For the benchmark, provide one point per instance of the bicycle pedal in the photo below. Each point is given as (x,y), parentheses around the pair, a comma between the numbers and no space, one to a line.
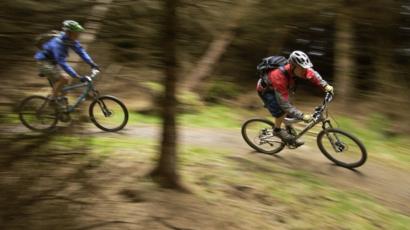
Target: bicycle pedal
(62,109)
(298,145)
(295,144)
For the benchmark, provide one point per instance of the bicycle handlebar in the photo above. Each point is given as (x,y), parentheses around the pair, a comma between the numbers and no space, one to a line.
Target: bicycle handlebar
(328,97)
(94,73)
(319,110)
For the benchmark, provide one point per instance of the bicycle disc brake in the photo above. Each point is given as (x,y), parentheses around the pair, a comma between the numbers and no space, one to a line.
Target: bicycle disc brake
(340,147)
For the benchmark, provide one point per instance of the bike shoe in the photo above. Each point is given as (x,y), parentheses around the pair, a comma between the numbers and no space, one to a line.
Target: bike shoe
(298,143)
(284,135)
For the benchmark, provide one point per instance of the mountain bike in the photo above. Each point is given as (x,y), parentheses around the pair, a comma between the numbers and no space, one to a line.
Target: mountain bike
(40,113)
(337,145)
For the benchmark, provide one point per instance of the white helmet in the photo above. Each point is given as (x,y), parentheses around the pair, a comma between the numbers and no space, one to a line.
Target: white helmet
(301,59)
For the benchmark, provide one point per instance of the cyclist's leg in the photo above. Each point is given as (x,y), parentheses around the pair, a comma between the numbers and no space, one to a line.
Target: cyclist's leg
(63,80)
(52,72)
(274,108)
(271,103)
(279,121)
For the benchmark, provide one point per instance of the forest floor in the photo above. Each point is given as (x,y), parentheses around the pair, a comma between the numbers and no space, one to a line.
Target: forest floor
(95,180)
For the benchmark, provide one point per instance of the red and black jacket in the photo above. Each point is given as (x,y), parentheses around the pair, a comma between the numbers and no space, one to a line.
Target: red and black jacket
(281,80)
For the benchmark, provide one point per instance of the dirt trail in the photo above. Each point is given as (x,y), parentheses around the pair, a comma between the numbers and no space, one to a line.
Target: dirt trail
(108,192)
(389,185)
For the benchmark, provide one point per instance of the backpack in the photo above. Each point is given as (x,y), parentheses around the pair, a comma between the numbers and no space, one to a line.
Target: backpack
(45,37)
(268,64)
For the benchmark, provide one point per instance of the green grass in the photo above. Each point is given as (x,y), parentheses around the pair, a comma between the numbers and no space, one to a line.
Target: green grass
(102,145)
(138,118)
(221,89)
(258,190)
(154,86)
(9,118)
(306,202)
(215,116)
(379,145)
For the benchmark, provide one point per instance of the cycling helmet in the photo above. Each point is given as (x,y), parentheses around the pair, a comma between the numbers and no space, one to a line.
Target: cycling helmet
(70,25)
(301,59)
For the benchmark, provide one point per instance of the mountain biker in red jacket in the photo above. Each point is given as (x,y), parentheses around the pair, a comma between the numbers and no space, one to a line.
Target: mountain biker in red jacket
(276,94)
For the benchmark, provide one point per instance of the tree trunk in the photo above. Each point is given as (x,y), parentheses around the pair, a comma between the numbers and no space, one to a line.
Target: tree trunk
(165,173)
(390,96)
(344,61)
(217,48)
(205,65)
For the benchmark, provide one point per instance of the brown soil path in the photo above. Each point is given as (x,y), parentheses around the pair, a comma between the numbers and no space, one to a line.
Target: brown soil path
(388,184)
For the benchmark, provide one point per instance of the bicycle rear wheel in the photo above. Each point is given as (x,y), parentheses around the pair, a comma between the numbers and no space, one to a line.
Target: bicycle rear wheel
(342,148)
(108,113)
(258,134)
(36,113)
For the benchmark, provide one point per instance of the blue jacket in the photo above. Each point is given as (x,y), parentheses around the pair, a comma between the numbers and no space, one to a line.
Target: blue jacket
(56,50)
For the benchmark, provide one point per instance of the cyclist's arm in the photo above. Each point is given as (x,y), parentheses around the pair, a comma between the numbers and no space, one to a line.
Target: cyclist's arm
(282,96)
(314,77)
(83,54)
(60,58)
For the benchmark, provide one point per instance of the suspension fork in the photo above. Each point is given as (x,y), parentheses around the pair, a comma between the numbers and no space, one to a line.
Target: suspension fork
(102,105)
(326,122)
(325,125)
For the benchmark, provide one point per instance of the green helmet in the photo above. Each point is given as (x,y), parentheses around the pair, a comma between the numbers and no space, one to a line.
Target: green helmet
(70,25)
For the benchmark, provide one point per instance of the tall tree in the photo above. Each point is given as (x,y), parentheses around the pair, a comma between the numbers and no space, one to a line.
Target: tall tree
(344,54)
(165,173)
(218,46)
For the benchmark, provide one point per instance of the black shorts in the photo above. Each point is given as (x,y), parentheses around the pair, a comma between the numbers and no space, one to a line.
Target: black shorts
(271,103)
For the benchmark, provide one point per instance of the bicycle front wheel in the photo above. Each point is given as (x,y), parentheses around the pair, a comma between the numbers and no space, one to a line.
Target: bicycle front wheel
(108,113)
(342,148)
(36,113)
(258,133)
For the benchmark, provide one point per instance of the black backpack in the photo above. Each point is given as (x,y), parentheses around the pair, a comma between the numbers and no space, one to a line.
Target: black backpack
(268,64)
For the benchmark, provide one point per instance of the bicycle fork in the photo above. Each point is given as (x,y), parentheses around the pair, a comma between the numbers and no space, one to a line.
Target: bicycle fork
(337,145)
(104,108)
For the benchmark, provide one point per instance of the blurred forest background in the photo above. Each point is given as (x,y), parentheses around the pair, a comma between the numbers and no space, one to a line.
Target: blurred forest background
(362,48)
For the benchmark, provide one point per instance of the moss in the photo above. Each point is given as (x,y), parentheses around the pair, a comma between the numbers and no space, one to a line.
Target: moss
(222,90)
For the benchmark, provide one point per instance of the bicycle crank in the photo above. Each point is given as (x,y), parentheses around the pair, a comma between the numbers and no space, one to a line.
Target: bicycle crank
(64,117)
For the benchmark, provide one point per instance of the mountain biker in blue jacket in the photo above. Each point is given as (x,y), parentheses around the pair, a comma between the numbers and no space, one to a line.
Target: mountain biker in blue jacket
(52,57)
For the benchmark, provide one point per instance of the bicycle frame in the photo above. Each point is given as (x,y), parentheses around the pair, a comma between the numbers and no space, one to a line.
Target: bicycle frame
(318,118)
(89,86)
(310,125)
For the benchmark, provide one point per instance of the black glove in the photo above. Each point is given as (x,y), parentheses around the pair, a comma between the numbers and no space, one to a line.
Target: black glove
(83,79)
(95,66)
